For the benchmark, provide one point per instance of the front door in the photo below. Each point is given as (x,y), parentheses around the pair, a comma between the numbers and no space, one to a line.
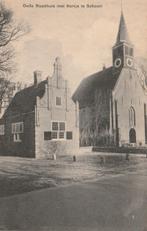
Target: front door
(132,135)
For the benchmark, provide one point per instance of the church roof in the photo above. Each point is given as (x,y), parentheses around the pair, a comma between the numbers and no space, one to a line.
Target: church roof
(25,100)
(122,35)
(106,78)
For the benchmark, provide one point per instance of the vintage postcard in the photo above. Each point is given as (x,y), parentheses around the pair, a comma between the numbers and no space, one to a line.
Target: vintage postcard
(73,115)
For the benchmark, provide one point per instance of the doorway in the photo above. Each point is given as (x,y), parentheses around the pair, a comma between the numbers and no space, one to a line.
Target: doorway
(132,135)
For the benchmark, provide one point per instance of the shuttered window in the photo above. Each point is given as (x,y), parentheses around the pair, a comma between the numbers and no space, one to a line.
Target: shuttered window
(69,135)
(47,136)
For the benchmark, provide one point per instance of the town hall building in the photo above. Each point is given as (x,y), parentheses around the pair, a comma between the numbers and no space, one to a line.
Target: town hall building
(113,102)
(41,119)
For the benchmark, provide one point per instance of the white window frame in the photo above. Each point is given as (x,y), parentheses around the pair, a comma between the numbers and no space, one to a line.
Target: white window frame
(16,137)
(17,129)
(2,129)
(58,131)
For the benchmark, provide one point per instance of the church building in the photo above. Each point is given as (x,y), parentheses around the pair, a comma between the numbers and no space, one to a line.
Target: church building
(113,102)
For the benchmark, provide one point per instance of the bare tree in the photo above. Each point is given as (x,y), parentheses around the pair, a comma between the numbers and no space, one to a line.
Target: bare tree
(10,31)
(4,86)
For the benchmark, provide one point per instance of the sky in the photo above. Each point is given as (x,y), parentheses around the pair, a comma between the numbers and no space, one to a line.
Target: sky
(81,37)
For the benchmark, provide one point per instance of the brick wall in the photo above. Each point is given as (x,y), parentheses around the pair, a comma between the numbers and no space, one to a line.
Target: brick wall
(25,148)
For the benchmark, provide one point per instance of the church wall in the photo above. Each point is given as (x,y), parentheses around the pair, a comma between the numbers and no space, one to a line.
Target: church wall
(129,93)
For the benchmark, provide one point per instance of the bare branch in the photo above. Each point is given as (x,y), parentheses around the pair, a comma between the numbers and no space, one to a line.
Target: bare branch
(10,30)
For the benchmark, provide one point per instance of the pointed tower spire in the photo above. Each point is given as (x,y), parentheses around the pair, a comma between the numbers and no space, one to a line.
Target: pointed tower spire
(122,35)
(121,5)
(123,50)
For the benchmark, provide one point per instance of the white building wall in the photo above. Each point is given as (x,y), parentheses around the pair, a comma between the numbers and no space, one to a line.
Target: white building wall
(47,111)
(129,92)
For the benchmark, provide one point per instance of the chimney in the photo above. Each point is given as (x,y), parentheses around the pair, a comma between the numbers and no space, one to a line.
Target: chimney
(37,77)
(57,75)
(58,68)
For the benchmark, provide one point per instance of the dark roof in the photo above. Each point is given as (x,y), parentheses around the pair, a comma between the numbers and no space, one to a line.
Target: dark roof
(104,79)
(25,100)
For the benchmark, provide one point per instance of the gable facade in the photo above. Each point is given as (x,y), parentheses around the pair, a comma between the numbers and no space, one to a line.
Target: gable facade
(57,122)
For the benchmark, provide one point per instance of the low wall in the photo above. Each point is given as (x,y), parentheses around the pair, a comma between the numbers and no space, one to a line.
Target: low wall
(120,150)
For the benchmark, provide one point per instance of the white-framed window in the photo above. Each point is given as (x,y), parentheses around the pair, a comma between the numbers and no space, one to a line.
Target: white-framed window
(17,127)
(58,101)
(55,126)
(58,130)
(62,126)
(16,137)
(2,129)
(17,130)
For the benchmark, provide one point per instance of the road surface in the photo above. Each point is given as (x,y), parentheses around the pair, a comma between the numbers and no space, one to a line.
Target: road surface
(114,203)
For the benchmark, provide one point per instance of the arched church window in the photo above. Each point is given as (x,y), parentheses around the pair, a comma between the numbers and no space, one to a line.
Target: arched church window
(132,117)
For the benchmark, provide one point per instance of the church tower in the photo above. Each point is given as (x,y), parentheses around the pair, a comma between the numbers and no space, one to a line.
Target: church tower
(123,50)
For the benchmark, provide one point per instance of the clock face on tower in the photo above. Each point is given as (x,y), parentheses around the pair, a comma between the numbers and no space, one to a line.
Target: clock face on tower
(117,63)
(129,62)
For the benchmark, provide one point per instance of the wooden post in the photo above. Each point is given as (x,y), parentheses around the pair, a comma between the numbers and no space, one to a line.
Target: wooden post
(54,157)
(74,158)
(127,156)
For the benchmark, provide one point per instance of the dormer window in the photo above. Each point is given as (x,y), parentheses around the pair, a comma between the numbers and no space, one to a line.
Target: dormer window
(58,101)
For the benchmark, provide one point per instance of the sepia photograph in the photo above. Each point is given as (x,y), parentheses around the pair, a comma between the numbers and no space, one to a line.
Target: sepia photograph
(73,115)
